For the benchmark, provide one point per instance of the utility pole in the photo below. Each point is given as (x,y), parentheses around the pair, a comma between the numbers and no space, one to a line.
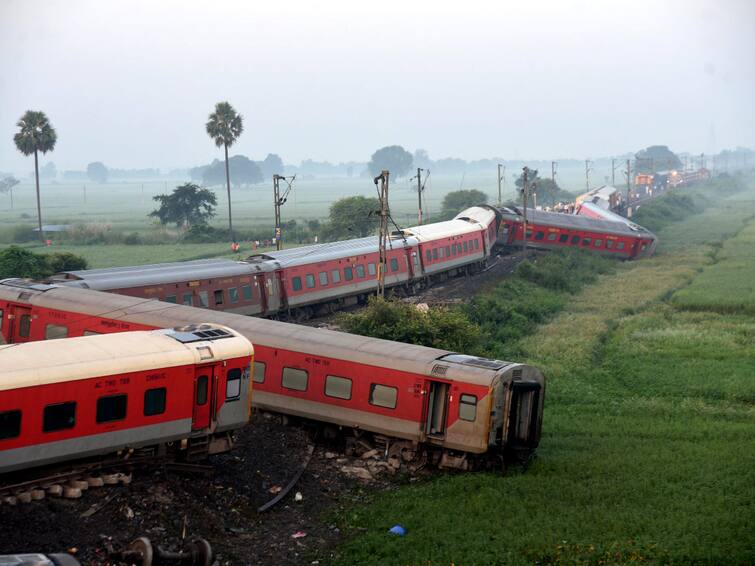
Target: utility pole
(501,177)
(613,172)
(420,190)
(525,191)
(587,174)
(381,182)
(278,201)
(85,194)
(702,161)
(629,184)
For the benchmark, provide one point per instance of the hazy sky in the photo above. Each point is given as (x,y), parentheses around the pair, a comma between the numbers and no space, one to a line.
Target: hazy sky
(130,83)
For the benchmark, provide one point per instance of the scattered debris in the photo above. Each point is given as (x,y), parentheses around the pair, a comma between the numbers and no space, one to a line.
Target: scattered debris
(299,534)
(397,530)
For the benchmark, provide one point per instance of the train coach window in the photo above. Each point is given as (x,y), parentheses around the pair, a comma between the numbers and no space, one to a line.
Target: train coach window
(552,237)
(609,244)
(429,255)
(360,270)
(24,326)
(233,384)
(111,408)
(296,282)
(335,275)
(467,407)
(435,253)
(246,292)
(465,247)
(371,268)
(394,265)
(54,331)
(476,244)
(540,235)
(383,396)
(448,251)
(91,333)
(295,379)
(154,401)
(348,273)
(10,424)
(575,239)
(598,243)
(188,299)
(309,280)
(586,241)
(259,372)
(1,319)
(323,278)
(454,250)
(643,247)
(59,416)
(563,238)
(218,296)
(338,387)
(170,299)
(203,300)
(620,246)
(233,294)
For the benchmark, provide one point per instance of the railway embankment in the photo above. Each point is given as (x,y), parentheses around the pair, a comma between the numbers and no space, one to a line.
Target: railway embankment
(646,454)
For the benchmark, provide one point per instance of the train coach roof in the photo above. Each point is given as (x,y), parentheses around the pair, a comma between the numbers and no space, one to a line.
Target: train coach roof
(611,216)
(318,342)
(54,361)
(576,222)
(153,274)
(439,230)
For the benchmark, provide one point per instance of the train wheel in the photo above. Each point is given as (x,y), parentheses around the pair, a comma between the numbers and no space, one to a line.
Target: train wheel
(202,554)
(142,547)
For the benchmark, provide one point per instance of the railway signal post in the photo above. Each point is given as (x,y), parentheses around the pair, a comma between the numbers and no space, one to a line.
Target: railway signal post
(381,181)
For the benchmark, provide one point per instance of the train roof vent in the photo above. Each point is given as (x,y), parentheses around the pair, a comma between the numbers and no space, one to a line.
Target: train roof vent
(198,333)
(439,370)
(26,284)
(474,361)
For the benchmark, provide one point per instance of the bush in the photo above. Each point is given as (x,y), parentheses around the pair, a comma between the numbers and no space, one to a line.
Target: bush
(442,328)
(19,262)
(24,233)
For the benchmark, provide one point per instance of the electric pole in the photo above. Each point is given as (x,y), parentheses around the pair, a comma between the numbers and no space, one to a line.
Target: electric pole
(501,177)
(613,172)
(278,201)
(629,173)
(587,175)
(525,191)
(420,189)
(553,174)
(381,182)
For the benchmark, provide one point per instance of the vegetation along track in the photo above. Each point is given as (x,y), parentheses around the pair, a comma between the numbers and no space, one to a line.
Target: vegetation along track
(647,452)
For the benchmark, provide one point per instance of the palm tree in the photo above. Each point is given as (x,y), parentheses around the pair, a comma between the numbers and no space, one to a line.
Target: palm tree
(224,127)
(35,134)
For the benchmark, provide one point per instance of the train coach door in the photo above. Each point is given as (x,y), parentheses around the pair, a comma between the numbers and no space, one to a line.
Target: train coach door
(19,324)
(205,380)
(436,409)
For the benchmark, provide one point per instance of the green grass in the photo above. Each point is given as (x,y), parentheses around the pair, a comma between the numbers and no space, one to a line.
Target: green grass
(728,285)
(647,452)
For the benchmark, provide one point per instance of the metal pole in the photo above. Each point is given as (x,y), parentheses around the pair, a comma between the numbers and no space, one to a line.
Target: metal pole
(629,210)
(277,206)
(499,185)
(525,190)
(419,194)
(85,194)
(383,239)
(587,174)
(613,172)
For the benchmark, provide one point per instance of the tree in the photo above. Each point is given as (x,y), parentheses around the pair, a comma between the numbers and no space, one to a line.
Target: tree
(243,170)
(394,158)
(189,204)
(456,201)
(352,217)
(19,262)
(656,158)
(422,159)
(224,126)
(49,171)
(35,134)
(271,165)
(97,172)
(7,183)
(548,192)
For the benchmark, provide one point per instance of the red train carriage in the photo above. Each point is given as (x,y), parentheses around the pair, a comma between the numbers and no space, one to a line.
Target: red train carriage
(81,397)
(551,230)
(297,282)
(459,408)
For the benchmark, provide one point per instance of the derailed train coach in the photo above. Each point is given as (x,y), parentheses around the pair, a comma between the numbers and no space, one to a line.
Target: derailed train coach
(417,403)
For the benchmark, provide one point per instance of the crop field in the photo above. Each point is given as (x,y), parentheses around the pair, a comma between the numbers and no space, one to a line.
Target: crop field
(647,454)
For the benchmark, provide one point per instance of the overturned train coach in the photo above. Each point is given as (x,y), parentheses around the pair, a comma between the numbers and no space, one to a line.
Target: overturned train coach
(459,411)
(610,237)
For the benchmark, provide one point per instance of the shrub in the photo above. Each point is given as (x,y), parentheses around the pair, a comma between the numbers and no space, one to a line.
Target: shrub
(19,262)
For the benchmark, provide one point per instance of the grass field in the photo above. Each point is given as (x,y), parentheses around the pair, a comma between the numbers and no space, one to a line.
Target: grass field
(648,451)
